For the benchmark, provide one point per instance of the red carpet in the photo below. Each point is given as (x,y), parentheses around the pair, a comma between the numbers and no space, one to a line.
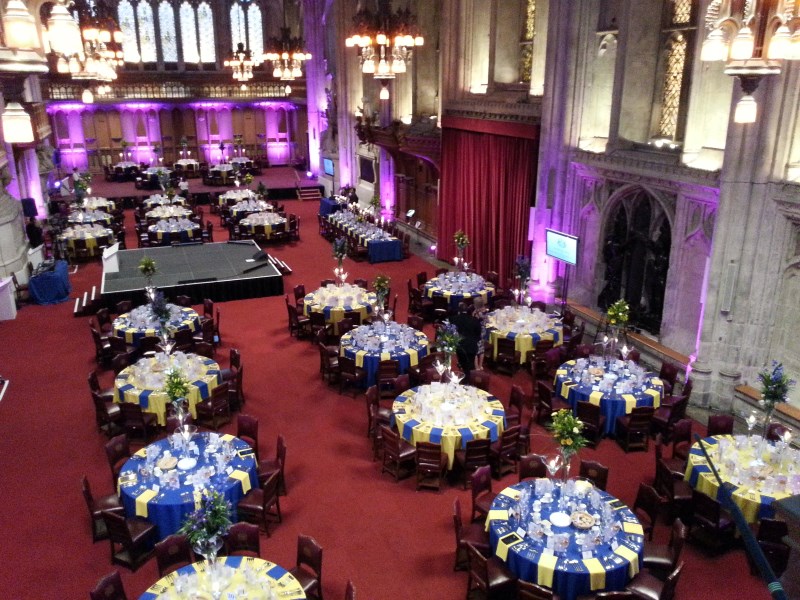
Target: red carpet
(391,541)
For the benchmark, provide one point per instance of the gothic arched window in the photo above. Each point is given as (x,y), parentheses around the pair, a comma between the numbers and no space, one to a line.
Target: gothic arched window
(147,33)
(246,27)
(188,18)
(166,25)
(127,24)
(205,27)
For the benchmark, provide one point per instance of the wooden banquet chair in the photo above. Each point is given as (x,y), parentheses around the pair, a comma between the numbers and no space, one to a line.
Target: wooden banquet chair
(107,415)
(482,495)
(96,506)
(473,456)
(117,452)
(136,422)
(109,588)
(720,425)
(647,508)
(647,585)
(633,430)
(490,576)
(595,473)
(503,453)
(594,422)
(216,409)
(247,431)
(134,537)
(261,506)
(242,539)
(172,553)
(470,533)
(663,559)
(431,465)
(397,454)
(308,567)
(275,464)
(532,466)
(531,591)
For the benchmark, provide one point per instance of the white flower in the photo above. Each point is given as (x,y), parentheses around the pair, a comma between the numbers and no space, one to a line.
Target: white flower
(576,430)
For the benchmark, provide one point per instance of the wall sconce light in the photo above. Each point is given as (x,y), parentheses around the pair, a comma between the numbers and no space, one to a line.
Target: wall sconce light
(19,27)
(17,126)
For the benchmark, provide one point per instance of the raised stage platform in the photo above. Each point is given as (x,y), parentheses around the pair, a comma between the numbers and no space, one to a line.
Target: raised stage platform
(216,271)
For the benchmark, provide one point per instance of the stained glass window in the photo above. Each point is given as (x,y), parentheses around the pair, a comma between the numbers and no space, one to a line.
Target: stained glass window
(681,11)
(254,36)
(189,33)
(147,32)
(205,25)
(526,50)
(127,24)
(673,85)
(166,23)
(238,25)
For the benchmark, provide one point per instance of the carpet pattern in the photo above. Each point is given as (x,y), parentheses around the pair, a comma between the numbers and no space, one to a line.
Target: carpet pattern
(392,541)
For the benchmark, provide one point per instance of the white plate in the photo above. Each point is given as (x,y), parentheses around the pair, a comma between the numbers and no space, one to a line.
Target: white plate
(185,464)
(559,519)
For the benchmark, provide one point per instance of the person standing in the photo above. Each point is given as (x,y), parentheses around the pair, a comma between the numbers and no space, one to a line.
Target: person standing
(34,232)
(470,329)
(480,311)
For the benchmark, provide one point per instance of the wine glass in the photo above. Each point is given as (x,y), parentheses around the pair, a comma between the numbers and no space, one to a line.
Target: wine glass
(751,421)
(554,464)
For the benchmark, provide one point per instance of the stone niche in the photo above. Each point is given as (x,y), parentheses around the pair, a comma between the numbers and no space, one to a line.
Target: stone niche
(13,245)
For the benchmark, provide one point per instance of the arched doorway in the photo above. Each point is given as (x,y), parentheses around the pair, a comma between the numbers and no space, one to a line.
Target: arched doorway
(636,256)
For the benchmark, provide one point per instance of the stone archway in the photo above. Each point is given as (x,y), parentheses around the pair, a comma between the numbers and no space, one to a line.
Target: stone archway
(635,255)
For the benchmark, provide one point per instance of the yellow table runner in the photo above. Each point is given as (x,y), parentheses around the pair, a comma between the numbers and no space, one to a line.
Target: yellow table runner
(631,557)
(142,500)
(547,566)
(243,478)
(597,573)
(634,528)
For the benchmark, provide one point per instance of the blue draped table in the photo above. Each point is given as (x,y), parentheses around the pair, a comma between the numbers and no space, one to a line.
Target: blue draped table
(611,403)
(168,509)
(51,287)
(568,575)
(384,250)
(328,206)
(369,360)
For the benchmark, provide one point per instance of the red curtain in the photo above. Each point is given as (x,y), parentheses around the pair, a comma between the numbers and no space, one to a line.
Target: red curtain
(487,186)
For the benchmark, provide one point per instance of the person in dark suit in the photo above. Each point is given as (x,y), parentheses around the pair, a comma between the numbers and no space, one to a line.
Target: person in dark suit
(469,326)
(35,233)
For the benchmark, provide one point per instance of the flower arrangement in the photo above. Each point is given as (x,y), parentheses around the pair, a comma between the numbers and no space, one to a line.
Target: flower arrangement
(148,268)
(775,386)
(158,305)
(170,192)
(211,520)
(461,239)
(175,385)
(124,144)
(522,267)
(375,202)
(567,429)
(381,286)
(340,249)
(618,313)
(248,179)
(184,142)
(82,184)
(447,337)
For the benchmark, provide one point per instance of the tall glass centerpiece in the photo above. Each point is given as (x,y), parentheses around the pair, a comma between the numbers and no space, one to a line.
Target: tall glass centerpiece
(775,384)
(205,526)
(381,285)
(339,253)
(461,241)
(617,315)
(566,429)
(148,268)
(448,339)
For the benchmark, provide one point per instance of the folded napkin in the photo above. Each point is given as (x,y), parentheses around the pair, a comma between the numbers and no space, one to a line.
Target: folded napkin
(243,478)
(142,500)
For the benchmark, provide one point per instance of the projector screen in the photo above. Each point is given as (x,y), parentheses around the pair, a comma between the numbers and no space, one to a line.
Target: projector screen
(327,166)
(562,246)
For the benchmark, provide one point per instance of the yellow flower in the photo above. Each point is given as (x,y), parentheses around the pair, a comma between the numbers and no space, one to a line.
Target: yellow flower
(568,442)
(612,321)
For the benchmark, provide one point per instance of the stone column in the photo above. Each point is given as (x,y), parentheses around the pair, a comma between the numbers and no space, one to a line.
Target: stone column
(314,38)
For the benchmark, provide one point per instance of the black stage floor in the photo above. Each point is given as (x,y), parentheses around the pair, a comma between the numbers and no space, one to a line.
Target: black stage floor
(215,271)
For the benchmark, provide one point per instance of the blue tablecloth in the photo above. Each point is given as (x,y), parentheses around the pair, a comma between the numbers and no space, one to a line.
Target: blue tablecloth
(571,576)
(328,206)
(385,250)
(370,360)
(612,404)
(169,509)
(51,287)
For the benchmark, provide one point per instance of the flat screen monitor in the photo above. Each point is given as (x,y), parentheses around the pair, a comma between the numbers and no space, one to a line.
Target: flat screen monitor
(327,166)
(562,246)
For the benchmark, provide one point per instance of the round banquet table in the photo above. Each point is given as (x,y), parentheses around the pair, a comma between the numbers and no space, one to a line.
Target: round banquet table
(97,203)
(159,200)
(142,382)
(167,506)
(126,164)
(261,223)
(251,578)
(471,414)
(89,216)
(222,167)
(571,386)
(233,196)
(185,162)
(166,231)
(167,212)
(612,564)
(523,325)
(368,345)
(332,301)
(156,171)
(458,286)
(141,322)
(756,472)
(92,234)
(246,207)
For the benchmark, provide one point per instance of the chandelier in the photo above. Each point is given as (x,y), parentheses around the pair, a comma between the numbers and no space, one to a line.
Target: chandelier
(753,40)
(385,40)
(242,63)
(286,54)
(87,45)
